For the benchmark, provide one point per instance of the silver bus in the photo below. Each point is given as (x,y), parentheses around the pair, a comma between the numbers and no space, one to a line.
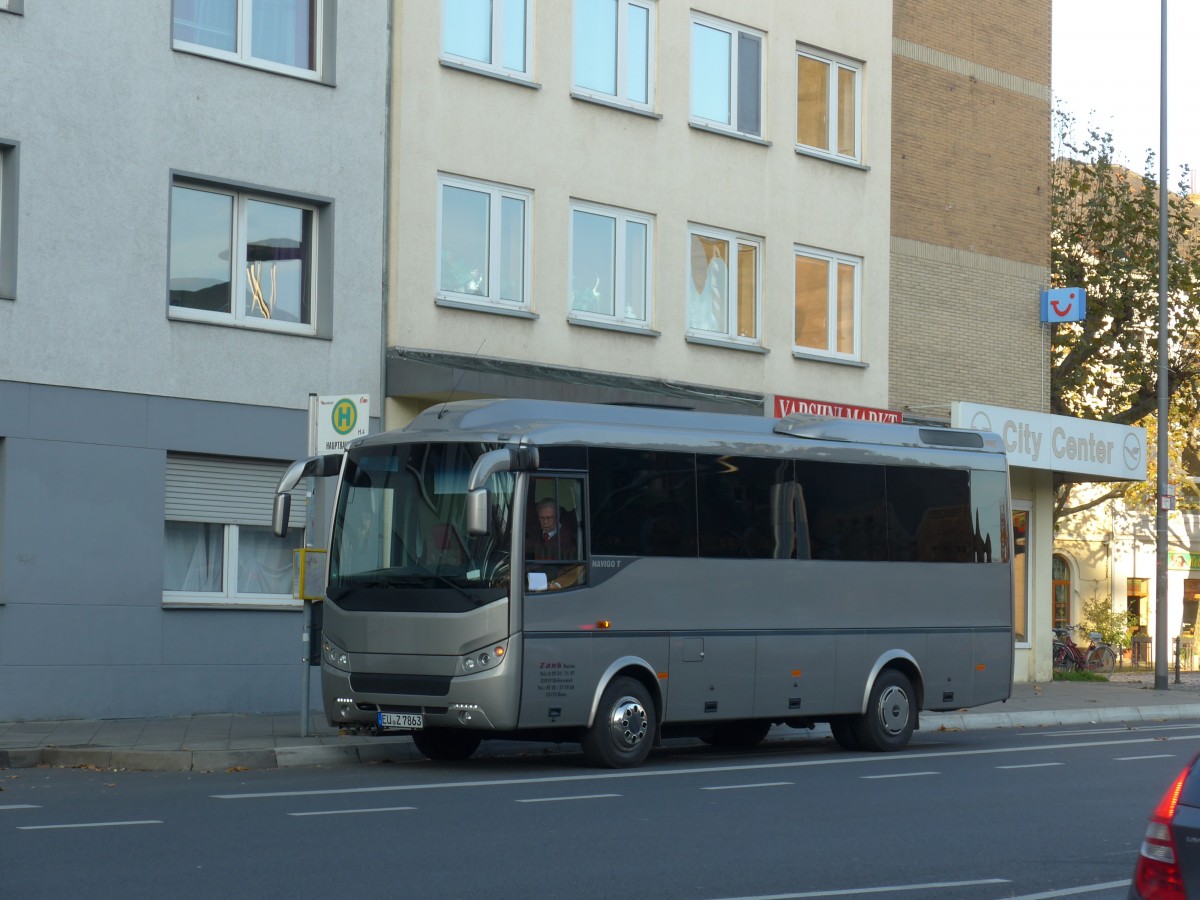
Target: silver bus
(616,575)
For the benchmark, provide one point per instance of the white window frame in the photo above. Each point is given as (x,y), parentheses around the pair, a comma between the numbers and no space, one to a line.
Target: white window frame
(734,31)
(229,596)
(496,67)
(496,194)
(9,168)
(238,317)
(242,55)
(621,53)
(835,64)
(729,335)
(831,299)
(621,218)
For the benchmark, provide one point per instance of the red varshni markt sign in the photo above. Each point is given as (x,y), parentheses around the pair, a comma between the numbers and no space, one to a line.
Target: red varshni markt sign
(786,406)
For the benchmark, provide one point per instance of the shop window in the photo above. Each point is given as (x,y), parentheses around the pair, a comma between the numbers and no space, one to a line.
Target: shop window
(1020,556)
(1060,585)
(1137,603)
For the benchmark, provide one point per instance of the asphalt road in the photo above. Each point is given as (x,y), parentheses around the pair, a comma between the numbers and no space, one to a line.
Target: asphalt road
(1008,813)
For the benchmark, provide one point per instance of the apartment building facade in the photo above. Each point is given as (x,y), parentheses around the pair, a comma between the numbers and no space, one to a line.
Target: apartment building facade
(639,202)
(191,241)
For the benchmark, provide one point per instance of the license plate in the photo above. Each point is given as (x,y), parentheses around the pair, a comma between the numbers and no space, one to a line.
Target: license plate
(409,721)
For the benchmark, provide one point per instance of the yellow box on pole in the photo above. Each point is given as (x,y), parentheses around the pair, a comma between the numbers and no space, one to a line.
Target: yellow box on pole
(308,573)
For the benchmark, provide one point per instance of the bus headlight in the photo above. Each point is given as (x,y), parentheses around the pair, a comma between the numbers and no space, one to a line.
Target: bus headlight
(335,655)
(487,658)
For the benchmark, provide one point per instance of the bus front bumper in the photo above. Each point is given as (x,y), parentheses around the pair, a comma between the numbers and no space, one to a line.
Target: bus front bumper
(486,701)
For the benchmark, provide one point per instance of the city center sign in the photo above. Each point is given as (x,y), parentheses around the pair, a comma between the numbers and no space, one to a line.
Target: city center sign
(1101,451)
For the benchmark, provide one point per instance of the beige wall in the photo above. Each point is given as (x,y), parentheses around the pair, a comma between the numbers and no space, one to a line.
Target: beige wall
(461,123)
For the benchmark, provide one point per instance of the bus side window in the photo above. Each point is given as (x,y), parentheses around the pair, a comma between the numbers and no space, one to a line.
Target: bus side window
(554,535)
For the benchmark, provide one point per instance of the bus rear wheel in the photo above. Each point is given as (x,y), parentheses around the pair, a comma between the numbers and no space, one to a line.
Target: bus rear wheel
(843,732)
(891,713)
(623,731)
(446,744)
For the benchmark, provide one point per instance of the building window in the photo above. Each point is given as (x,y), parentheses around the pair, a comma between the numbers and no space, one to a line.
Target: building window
(727,76)
(828,100)
(828,302)
(242,258)
(484,233)
(1060,587)
(8,220)
(493,36)
(280,35)
(610,265)
(218,546)
(724,285)
(613,43)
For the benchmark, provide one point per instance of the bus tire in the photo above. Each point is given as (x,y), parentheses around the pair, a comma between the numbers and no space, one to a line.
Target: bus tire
(623,731)
(447,744)
(843,732)
(741,735)
(891,713)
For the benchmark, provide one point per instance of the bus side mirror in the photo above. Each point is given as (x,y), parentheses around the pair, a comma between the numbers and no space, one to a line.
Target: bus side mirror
(505,459)
(477,512)
(280,513)
(319,466)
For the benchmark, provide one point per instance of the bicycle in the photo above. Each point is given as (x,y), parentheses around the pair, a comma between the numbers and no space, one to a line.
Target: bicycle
(1068,656)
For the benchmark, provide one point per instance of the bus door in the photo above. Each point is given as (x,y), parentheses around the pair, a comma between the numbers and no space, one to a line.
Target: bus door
(559,668)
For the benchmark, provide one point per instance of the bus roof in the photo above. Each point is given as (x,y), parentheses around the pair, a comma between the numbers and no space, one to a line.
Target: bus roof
(545,422)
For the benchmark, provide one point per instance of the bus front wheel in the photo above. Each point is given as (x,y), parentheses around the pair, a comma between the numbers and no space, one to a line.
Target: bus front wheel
(446,744)
(891,713)
(623,731)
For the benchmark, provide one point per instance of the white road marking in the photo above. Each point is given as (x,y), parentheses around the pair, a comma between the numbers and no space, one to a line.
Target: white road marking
(89,825)
(1075,891)
(738,787)
(350,812)
(20,806)
(861,759)
(1117,729)
(556,799)
(889,889)
(1152,756)
(1032,765)
(902,775)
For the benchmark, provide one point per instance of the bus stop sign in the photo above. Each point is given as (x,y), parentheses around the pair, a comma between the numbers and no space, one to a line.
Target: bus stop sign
(339,418)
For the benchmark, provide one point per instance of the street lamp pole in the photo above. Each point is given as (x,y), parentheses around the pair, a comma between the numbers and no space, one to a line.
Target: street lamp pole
(1160,618)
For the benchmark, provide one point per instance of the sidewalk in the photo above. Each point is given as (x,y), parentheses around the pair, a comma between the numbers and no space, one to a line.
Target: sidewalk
(216,742)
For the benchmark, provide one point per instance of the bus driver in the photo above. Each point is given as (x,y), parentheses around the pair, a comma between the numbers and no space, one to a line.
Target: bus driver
(557,540)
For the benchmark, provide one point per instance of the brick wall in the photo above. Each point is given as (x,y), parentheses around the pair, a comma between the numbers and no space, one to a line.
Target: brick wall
(970,204)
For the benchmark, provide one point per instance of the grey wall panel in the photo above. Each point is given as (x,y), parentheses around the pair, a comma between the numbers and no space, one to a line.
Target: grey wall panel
(34,693)
(14,409)
(53,636)
(83,524)
(227,429)
(233,637)
(99,417)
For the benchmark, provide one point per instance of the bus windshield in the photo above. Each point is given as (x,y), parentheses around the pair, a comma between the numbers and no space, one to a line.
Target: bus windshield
(400,523)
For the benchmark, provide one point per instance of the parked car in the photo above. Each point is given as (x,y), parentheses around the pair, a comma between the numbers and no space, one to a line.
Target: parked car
(1168,867)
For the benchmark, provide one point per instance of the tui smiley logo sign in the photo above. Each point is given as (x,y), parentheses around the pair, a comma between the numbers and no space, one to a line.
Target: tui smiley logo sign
(1064,305)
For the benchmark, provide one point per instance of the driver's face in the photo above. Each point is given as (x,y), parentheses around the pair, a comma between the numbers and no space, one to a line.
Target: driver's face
(547,518)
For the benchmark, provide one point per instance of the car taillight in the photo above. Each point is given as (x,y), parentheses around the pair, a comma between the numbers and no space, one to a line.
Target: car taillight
(1157,876)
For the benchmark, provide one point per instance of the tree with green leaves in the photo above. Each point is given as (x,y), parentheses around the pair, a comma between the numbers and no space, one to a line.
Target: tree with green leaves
(1105,239)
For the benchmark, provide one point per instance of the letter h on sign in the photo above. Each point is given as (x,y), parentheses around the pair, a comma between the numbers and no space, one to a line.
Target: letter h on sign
(1067,304)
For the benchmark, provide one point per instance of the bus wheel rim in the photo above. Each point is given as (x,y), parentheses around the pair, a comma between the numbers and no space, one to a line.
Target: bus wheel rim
(628,723)
(893,710)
